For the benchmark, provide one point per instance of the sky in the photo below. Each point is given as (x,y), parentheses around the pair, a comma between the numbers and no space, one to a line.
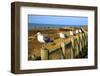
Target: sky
(57,20)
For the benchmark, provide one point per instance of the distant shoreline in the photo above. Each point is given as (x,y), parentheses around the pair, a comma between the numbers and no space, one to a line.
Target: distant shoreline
(50,26)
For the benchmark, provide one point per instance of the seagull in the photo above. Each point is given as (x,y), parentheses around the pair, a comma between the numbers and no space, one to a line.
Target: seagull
(80,31)
(71,33)
(43,39)
(62,35)
(76,32)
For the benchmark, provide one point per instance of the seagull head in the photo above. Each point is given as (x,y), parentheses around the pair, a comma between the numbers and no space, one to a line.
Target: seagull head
(80,31)
(60,33)
(71,32)
(76,31)
(39,33)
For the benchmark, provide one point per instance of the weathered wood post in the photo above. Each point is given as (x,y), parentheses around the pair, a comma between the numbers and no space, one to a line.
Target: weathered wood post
(77,45)
(63,48)
(72,48)
(44,54)
(80,42)
(86,39)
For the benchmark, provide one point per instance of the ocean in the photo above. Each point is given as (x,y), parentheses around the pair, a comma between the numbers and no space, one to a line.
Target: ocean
(50,26)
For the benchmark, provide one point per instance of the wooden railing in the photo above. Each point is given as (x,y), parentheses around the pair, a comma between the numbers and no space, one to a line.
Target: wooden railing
(67,49)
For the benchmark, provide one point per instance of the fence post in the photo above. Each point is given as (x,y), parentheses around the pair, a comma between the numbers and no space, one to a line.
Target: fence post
(80,42)
(86,39)
(72,47)
(63,49)
(77,46)
(44,54)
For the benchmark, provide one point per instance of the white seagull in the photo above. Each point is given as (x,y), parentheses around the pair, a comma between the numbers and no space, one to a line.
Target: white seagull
(71,33)
(62,35)
(76,32)
(80,31)
(43,39)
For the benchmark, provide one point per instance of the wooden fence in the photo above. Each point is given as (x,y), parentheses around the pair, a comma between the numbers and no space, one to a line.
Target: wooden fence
(67,50)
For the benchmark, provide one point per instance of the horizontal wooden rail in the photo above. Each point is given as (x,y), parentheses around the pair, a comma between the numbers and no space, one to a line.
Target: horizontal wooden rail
(75,43)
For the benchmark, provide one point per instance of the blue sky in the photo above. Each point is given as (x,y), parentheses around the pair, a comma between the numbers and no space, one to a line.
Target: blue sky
(57,20)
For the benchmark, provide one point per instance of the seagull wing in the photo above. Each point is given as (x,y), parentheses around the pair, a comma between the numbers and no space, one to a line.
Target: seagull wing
(45,38)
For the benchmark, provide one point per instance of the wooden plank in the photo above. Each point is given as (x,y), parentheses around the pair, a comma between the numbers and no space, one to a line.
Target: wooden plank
(44,54)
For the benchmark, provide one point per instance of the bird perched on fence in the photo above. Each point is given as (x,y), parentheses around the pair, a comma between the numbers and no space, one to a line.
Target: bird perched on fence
(62,35)
(79,31)
(71,33)
(76,32)
(42,38)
